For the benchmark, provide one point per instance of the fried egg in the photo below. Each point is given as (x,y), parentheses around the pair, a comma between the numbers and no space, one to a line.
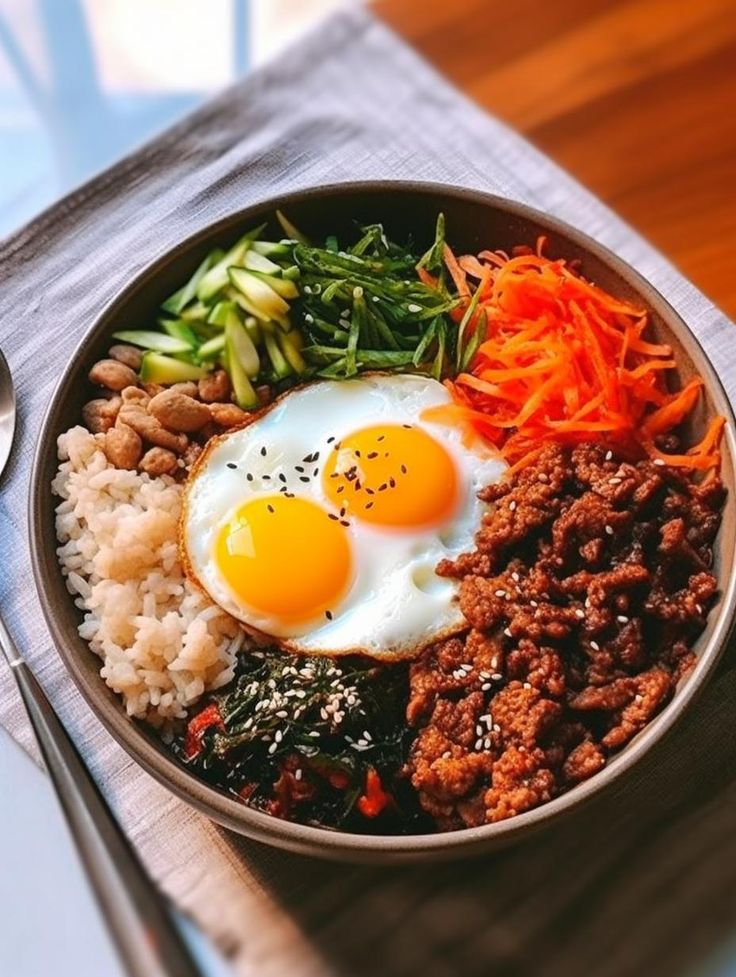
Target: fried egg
(320,524)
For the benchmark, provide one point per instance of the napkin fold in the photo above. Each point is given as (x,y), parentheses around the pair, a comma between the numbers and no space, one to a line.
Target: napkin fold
(640,882)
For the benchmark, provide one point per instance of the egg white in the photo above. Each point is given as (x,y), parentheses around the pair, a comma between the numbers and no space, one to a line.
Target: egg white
(396,604)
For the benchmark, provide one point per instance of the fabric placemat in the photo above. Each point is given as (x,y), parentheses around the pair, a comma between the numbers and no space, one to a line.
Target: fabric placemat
(641,883)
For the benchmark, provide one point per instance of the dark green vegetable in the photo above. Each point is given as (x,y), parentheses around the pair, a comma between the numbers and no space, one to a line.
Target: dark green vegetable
(331,720)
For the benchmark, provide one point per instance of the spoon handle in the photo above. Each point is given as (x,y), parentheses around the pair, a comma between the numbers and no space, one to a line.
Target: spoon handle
(139,919)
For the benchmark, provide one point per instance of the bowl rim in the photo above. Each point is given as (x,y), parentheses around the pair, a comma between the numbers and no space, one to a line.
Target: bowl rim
(316,840)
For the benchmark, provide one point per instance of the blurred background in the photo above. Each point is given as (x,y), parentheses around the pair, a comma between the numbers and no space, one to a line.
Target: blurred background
(637,98)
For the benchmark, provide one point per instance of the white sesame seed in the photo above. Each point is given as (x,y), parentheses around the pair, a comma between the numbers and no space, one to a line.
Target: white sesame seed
(609,530)
(414,307)
(622,619)
(300,694)
(351,700)
(309,317)
(485,687)
(580,613)
(515,577)
(466,667)
(595,646)
(278,736)
(507,632)
(298,774)
(614,481)
(479,730)
(282,714)
(699,608)
(313,733)
(587,601)
(479,744)
(522,749)
(496,728)
(512,505)
(376,298)
(637,698)
(534,603)
(609,455)
(307,289)
(494,663)
(367,735)
(487,743)
(484,674)
(273,747)
(500,593)
(527,685)
(248,723)
(659,461)
(497,676)
(324,713)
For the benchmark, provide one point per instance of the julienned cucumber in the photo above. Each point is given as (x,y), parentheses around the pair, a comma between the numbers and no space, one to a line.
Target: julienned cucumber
(160,342)
(216,278)
(157,368)
(259,293)
(245,395)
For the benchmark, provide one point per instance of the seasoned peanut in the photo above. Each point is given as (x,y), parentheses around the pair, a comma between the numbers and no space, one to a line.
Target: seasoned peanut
(178,412)
(135,395)
(186,387)
(112,374)
(228,415)
(130,355)
(99,415)
(122,446)
(215,387)
(153,388)
(150,429)
(158,461)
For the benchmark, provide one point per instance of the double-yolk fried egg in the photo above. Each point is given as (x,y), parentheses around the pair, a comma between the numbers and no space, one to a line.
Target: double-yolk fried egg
(320,524)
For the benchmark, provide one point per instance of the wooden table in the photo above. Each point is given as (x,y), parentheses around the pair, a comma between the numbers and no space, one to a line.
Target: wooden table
(636,99)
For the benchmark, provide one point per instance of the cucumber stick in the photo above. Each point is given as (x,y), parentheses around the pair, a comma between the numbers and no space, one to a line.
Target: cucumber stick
(242,361)
(180,299)
(259,293)
(254,261)
(216,278)
(160,342)
(157,368)
(283,287)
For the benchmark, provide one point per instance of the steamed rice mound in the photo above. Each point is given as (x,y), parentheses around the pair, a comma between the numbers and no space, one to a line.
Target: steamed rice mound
(162,642)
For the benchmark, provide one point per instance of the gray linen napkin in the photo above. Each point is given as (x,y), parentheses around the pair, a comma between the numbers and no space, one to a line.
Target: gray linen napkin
(642,883)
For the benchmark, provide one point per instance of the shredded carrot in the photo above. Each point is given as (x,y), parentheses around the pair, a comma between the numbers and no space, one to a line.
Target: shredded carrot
(561,358)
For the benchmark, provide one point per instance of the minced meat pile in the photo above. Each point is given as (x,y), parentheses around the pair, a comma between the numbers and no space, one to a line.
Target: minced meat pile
(590,580)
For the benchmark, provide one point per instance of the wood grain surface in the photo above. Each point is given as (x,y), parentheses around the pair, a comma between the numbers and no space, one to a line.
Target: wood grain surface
(636,99)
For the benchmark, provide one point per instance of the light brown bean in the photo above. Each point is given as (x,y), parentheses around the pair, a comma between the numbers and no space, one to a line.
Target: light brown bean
(113,375)
(228,415)
(135,395)
(214,387)
(150,429)
(99,415)
(123,446)
(178,412)
(130,355)
(187,387)
(159,461)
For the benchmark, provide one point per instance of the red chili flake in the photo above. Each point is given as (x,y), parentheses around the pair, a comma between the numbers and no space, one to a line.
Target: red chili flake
(375,799)
(209,716)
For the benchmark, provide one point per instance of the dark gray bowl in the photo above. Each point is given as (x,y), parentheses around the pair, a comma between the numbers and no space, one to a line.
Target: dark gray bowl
(474,221)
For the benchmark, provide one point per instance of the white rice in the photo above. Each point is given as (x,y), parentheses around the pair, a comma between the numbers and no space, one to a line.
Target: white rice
(161,641)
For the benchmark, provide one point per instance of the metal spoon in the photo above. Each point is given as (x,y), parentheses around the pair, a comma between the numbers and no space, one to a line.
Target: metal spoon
(140,920)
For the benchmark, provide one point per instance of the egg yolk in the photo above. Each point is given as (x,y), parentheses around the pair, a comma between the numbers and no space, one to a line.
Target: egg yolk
(285,557)
(393,475)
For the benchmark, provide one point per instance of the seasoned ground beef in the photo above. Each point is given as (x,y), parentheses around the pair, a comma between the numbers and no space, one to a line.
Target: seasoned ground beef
(590,580)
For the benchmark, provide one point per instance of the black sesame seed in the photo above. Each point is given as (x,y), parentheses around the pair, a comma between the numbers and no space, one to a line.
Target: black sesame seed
(392,482)
(289,495)
(382,488)
(231,464)
(330,440)
(357,453)
(331,515)
(282,477)
(304,478)
(407,426)
(344,522)
(270,507)
(382,437)
(368,505)
(370,491)
(249,476)
(266,478)
(299,468)
(372,454)
(315,473)
(335,475)
(340,488)
(328,615)
(403,469)
(263,451)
